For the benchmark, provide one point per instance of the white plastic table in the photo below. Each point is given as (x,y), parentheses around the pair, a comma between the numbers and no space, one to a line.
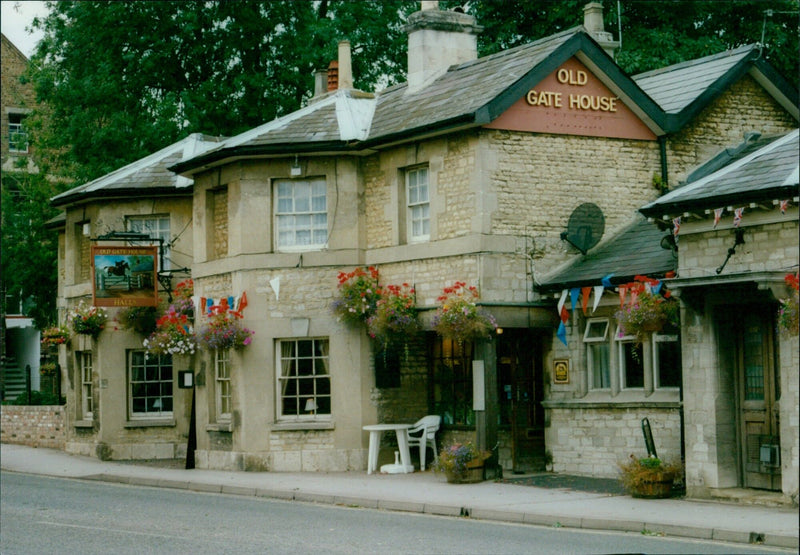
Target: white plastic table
(401,430)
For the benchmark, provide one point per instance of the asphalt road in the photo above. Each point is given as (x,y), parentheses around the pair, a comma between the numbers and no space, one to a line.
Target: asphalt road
(54,515)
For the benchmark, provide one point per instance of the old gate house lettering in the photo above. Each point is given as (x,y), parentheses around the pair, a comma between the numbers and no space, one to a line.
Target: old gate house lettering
(576,101)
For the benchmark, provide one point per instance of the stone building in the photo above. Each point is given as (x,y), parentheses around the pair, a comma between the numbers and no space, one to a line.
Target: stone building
(471,171)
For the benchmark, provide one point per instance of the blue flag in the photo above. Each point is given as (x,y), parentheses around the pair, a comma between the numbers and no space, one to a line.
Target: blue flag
(562,333)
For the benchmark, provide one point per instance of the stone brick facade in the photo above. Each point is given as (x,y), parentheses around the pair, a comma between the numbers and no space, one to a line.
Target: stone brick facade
(35,426)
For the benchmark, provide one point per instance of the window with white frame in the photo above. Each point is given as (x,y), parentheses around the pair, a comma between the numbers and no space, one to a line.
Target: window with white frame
(222,371)
(149,385)
(304,381)
(631,361)
(301,213)
(156,227)
(666,361)
(418,201)
(597,353)
(17,135)
(85,367)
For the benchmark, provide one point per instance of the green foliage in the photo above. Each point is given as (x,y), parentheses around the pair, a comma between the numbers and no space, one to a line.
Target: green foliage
(29,269)
(141,319)
(136,76)
(37,398)
(456,457)
(637,472)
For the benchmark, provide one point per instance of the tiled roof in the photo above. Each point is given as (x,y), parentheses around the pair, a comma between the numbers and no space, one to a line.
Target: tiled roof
(636,250)
(770,173)
(675,87)
(148,173)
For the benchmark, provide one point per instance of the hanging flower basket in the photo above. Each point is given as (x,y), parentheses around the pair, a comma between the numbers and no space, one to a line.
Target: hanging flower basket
(788,314)
(395,318)
(88,320)
(647,312)
(358,295)
(459,318)
(174,336)
(54,336)
(224,331)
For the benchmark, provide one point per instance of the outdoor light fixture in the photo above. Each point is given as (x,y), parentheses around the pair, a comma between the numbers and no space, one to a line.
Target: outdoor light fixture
(739,233)
(296,170)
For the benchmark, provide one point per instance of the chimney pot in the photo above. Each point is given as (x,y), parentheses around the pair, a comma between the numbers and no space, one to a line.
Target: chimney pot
(333,76)
(593,17)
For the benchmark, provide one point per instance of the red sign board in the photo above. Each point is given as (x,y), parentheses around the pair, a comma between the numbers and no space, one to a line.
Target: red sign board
(572,101)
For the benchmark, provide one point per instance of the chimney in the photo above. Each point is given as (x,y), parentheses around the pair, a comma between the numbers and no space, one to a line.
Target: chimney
(320,82)
(333,76)
(436,40)
(345,66)
(593,23)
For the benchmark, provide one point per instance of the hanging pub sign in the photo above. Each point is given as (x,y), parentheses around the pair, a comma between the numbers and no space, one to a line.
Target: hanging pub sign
(124,276)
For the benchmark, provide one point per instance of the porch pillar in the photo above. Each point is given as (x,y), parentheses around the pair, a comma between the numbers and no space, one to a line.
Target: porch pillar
(486,420)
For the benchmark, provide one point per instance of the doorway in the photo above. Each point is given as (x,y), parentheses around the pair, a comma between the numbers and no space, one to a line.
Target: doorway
(520,388)
(757,395)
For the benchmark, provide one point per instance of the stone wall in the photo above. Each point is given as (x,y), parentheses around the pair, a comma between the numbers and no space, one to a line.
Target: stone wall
(36,426)
(592,441)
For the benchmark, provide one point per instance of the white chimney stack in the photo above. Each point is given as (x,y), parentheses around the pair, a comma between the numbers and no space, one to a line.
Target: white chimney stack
(593,23)
(345,66)
(436,40)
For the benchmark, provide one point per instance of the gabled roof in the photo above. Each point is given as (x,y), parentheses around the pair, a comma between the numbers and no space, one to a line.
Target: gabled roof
(767,174)
(467,95)
(683,90)
(148,175)
(636,250)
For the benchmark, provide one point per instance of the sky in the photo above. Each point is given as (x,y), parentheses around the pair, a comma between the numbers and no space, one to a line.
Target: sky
(16,15)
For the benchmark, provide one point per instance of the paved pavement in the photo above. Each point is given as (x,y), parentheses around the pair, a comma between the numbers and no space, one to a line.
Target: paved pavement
(427,492)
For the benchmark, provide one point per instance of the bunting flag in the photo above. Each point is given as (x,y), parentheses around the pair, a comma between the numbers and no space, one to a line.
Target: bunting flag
(275,283)
(717,215)
(562,333)
(606,281)
(656,288)
(564,314)
(585,292)
(242,302)
(737,216)
(574,293)
(634,296)
(676,227)
(784,206)
(622,292)
(562,300)
(598,292)
(209,304)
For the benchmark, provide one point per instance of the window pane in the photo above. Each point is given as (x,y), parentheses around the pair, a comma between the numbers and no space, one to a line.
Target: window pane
(633,369)
(599,364)
(303,382)
(668,359)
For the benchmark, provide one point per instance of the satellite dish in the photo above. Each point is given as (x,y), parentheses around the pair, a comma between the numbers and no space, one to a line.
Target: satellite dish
(585,227)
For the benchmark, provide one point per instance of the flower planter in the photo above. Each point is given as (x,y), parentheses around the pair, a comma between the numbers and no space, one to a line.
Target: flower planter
(659,487)
(472,474)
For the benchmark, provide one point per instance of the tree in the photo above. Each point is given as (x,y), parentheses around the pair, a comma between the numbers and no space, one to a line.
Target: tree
(123,79)
(655,34)
(28,266)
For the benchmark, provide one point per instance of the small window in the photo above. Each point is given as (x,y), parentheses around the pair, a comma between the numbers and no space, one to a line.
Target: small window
(301,214)
(418,201)
(150,385)
(17,135)
(87,401)
(222,359)
(304,381)
(666,361)
(597,354)
(631,361)
(157,227)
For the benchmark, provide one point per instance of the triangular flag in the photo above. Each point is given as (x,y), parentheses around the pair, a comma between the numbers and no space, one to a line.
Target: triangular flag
(275,283)
(562,300)
(676,227)
(231,303)
(209,304)
(656,289)
(606,281)
(623,289)
(585,292)
(242,302)
(573,296)
(564,314)
(598,292)
(737,216)
(717,215)
(202,305)
(562,333)
(784,206)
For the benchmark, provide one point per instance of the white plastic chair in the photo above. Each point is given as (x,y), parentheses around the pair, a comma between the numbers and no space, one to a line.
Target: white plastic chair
(423,434)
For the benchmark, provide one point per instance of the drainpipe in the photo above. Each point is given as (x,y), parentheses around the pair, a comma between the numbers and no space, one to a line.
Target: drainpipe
(662,144)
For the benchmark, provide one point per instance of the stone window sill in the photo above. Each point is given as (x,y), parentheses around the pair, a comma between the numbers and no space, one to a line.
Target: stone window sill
(219,427)
(150,423)
(83,424)
(295,426)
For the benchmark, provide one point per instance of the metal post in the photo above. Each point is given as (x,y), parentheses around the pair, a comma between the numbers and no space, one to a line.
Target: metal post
(28,382)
